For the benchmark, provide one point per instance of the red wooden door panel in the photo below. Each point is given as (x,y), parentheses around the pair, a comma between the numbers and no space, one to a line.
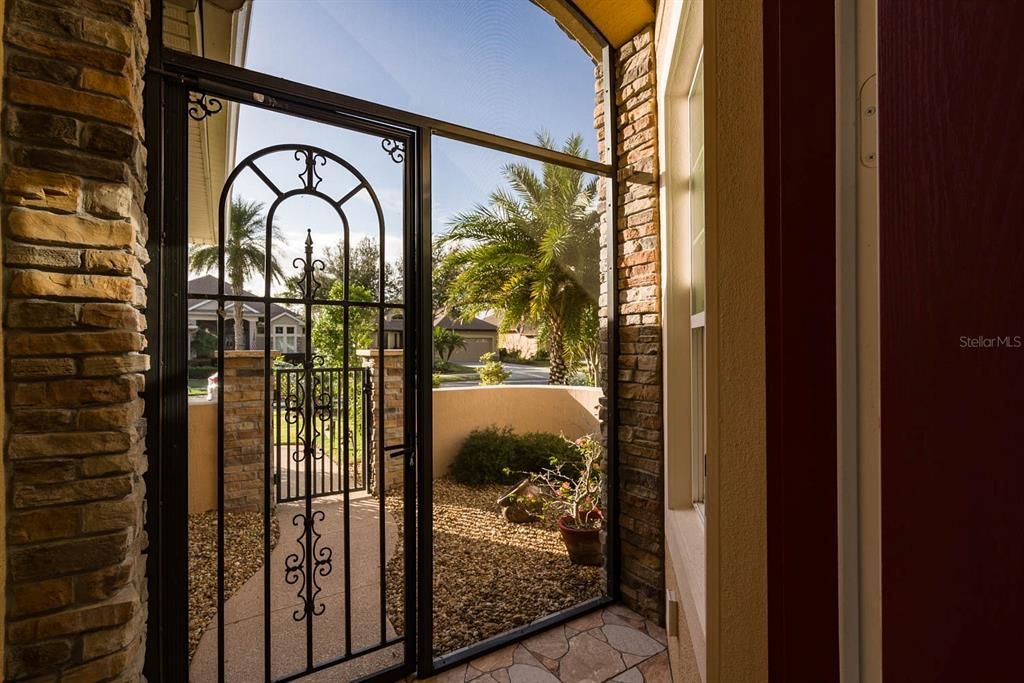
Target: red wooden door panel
(951,79)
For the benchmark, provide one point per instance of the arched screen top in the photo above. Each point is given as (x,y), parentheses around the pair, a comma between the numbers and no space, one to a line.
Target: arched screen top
(507,68)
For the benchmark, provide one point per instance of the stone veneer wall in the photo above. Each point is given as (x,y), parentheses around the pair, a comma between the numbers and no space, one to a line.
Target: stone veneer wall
(74,230)
(637,260)
(394,411)
(242,392)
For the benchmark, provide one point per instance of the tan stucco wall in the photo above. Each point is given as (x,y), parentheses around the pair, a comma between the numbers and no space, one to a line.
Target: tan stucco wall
(737,584)
(569,411)
(722,562)
(202,455)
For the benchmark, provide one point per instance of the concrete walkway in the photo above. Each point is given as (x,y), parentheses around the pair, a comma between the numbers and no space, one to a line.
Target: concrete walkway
(243,613)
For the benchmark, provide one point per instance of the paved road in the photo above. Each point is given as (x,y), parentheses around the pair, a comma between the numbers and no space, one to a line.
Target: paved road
(521,374)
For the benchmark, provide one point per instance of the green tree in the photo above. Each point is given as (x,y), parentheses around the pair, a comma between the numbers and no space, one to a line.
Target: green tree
(443,275)
(364,266)
(532,252)
(445,343)
(245,254)
(328,331)
(204,343)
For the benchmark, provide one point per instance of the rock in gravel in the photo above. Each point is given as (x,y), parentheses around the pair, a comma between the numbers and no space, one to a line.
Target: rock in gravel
(523,504)
(243,557)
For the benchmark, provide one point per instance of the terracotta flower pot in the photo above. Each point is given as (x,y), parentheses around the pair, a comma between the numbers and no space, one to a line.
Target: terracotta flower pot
(584,545)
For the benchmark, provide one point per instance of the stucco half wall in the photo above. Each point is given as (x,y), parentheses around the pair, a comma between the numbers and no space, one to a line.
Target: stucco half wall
(202,455)
(569,411)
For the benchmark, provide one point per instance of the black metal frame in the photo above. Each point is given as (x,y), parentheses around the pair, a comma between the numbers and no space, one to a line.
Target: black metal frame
(170,76)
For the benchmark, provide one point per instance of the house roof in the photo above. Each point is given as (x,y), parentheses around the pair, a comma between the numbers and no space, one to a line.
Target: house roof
(471,325)
(527,330)
(208,285)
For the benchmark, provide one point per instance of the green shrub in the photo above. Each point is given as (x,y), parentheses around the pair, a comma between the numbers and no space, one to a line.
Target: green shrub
(500,456)
(492,372)
(201,371)
(484,456)
(539,450)
(435,380)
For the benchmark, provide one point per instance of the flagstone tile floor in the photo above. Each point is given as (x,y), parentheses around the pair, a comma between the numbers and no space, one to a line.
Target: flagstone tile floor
(614,644)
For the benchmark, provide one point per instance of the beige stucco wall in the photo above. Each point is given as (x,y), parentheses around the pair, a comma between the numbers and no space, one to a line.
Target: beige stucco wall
(202,455)
(570,411)
(737,581)
(722,562)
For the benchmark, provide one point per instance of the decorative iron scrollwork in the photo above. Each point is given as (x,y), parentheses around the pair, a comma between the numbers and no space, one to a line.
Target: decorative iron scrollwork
(394,148)
(297,571)
(309,283)
(310,159)
(200,106)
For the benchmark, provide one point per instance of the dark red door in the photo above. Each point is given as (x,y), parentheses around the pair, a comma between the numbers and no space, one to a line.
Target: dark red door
(951,77)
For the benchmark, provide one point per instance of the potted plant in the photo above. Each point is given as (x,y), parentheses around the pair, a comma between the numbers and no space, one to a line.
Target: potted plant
(574,494)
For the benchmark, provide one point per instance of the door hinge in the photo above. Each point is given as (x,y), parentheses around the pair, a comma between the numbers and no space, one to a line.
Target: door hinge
(867,122)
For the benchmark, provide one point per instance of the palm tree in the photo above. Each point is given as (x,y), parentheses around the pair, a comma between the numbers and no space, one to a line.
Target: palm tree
(533,253)
(245,254)
(446,342)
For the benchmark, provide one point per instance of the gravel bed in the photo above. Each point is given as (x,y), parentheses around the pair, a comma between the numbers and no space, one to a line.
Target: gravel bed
(243,557)
(489,575)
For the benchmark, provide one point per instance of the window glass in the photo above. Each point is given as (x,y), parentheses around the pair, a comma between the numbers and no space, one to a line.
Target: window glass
(698,366)
(697,248)
(519,285)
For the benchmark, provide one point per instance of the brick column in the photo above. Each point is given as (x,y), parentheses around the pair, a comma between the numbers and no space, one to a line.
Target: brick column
(242,393)
(638,281)
(394,415)
(73,184)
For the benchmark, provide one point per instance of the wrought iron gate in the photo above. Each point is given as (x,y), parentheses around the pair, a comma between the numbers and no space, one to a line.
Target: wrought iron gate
(297,432)
(342,424)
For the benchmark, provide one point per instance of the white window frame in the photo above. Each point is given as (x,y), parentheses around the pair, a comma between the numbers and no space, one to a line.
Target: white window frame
(285,341)
(698,329)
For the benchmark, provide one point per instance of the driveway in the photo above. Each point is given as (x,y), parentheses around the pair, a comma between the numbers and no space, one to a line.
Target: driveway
(521,374)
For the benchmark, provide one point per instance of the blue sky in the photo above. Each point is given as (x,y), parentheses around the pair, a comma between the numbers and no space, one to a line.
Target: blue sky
(499,65)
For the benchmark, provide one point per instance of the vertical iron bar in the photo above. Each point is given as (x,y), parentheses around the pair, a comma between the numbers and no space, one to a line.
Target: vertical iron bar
(367,422)
(417,309)
(380,449)
(267,407)
(344,459)
(613,551)
(221,384)
(277,421)
(307,429)
(424,577)
(346,530)
(331,389)
(167,480)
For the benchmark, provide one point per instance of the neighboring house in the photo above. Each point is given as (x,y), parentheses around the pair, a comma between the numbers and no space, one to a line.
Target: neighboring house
(287,329)
(524,339)
(480,336)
